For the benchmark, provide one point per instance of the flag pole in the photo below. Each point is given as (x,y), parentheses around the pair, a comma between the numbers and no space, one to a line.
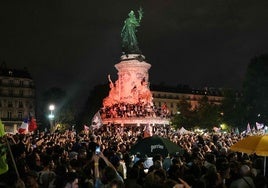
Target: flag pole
(264,169)
(12,158)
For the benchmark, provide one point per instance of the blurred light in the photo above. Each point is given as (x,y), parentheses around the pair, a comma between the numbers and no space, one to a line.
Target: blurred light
(51,116)
(223,126)
(52,107)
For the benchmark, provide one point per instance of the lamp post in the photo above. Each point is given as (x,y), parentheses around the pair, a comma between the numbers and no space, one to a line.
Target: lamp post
(51,116)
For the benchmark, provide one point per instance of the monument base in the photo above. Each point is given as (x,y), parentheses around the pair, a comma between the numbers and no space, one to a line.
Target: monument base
(135,121)
(138,57)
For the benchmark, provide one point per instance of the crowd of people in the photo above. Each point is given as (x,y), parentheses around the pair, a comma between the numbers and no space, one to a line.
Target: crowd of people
(121,110)
(101,158)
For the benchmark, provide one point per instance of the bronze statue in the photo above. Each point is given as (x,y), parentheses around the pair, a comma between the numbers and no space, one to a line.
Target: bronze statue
(128,34)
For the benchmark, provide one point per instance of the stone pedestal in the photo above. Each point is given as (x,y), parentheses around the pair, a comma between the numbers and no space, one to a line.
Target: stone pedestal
(130,100)
(132,85)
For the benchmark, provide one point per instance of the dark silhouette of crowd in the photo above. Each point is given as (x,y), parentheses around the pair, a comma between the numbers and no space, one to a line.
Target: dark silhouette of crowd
(69,159)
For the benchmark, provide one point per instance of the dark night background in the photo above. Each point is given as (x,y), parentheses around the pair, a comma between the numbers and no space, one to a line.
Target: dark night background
(75,44)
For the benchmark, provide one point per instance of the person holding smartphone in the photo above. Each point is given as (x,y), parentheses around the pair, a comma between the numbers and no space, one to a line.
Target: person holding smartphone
(112,178)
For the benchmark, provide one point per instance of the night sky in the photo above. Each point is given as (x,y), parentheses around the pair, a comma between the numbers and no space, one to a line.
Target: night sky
(75,44)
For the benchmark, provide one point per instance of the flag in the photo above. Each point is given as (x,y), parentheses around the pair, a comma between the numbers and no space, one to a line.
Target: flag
(259,126)
(86,128)
(32,126)
(3,157)
(148,132)
(96,122)
(24,127)
(2,129)
(248,128)
(265,129)
(236,130)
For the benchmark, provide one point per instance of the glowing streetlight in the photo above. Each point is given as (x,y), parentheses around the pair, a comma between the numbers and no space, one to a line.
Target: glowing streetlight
(51,116)
(51,107)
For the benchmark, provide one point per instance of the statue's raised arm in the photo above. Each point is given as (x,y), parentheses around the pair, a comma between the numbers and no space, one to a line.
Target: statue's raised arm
(128,34)
(140,11)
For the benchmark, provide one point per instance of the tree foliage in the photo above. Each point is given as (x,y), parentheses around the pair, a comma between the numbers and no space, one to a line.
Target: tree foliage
(255,90)
(93,103)
(233,109)
(185,115)
(208,114)
(64,110)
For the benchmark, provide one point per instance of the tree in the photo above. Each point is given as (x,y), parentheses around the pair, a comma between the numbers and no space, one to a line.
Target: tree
(185,115)
(233,109)
(255,90)
(64,108)
(208,114)
(93,104)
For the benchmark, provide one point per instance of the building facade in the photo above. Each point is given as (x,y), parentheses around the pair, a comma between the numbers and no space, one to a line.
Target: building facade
(170,97)
(17,97)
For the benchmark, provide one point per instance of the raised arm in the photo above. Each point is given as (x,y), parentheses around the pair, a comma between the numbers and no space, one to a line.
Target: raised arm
(108,163)
(140,11)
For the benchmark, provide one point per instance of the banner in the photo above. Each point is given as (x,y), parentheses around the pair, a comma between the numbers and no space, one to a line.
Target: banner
(3,157)
(248,128)
(24,127)
(259,125)
(96,122)
(32,126)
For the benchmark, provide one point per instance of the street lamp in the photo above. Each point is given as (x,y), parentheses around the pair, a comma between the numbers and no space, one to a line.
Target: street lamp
(51,116)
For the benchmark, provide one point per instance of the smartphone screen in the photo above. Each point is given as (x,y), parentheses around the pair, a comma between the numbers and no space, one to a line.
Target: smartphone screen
(97,151)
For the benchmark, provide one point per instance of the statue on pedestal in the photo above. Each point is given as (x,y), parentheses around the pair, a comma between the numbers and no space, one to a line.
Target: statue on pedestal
(113,97)
(128,34)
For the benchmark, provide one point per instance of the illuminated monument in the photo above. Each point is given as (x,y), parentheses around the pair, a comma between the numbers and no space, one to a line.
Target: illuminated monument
(130,100)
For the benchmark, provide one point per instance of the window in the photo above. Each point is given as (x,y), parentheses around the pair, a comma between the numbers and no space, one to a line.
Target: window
(9,104)
(10,92)
(20,104)
(19,115)
(21,83)
(21,93)
(30,105)
(26,83)
(9,115)
(11,82)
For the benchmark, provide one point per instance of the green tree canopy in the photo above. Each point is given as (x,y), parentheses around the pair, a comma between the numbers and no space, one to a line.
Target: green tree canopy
(233,109)
(64,109)
(255,90)
(208,114)
(184,116)
(93,103)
